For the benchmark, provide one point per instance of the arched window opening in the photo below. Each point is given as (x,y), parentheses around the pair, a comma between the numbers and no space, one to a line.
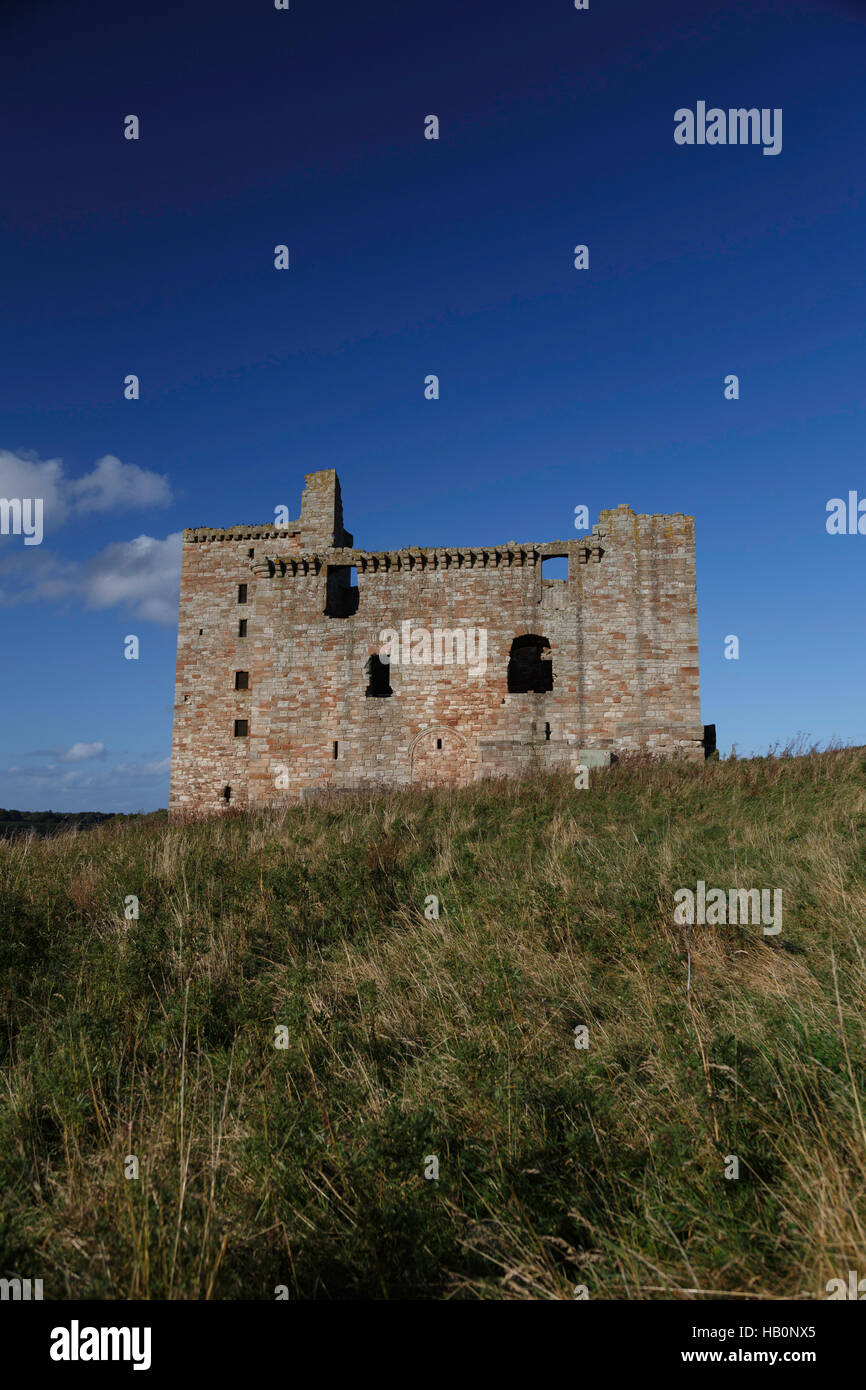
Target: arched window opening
(530,669)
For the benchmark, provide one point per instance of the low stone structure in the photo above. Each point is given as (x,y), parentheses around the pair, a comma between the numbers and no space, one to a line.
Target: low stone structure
(305,664)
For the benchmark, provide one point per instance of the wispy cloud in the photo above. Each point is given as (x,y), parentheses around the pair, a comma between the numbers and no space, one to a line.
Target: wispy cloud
(142,575)
(83,752)
(119,487)
(110,486)
(67,779)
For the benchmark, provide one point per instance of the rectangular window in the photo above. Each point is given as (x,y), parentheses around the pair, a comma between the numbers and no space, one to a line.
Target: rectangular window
(336,748)
(242,627)
(554,567)
(242,593)
(242,680)
(242,728)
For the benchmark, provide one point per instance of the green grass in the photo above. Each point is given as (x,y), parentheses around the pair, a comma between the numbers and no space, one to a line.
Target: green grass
(454,1037)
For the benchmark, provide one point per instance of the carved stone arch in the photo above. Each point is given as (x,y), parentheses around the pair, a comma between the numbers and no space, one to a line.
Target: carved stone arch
(440,756)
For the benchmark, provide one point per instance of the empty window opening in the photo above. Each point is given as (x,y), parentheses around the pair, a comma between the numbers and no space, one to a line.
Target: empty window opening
(242,627)
(530,670)
(547,733)
(200,631)
(554,567)
(336,748)
(242,593)
(242,680)
(251,554)
(227,794)
(378,674)
(242,728)
(341,596)
(438,743)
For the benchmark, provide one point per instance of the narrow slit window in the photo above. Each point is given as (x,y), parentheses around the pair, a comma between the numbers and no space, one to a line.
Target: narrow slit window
(227,794)
(242,627)
(438,743)
(336,748)
(242,593)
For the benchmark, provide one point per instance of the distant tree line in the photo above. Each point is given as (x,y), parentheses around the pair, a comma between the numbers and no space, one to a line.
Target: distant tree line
(50,822)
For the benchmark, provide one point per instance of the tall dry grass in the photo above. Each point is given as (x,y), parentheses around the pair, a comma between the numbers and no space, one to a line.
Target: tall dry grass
(410,1037)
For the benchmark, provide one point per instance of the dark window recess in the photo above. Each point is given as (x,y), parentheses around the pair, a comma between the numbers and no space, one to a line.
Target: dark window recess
(242,593)
(438,743)
(242,627)
(709,740)
(242,728)
(200,631)
(227,794)
(547,733)
(341,597)
(251,554)
(378,678)
(336,748)
(554,567)
(242,680)
(530,669)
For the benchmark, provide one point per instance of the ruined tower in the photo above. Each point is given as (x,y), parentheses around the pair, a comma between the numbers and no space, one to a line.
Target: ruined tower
(304,663)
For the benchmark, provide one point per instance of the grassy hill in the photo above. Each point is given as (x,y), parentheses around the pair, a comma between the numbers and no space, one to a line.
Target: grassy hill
(410,1037)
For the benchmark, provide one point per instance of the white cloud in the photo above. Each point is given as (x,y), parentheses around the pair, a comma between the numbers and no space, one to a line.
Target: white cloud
(110,486)
(114,486)
(26,475)
(142,574)
(81,752)
(161,768)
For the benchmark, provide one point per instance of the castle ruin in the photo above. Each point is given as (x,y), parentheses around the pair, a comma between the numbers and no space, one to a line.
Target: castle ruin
(305,664)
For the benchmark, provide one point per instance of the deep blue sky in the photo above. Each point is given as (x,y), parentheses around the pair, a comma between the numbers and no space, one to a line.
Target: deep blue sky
(411,257)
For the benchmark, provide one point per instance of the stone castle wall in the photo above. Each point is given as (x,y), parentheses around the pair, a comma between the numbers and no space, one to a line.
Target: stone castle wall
(620,651)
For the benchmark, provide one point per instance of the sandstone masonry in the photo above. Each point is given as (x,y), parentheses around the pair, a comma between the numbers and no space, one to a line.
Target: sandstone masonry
(282,689)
